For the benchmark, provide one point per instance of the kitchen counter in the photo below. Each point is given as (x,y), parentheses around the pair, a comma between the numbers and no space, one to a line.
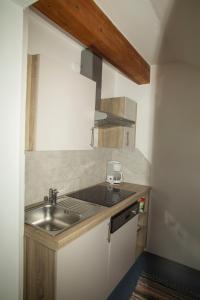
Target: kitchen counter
(58,241)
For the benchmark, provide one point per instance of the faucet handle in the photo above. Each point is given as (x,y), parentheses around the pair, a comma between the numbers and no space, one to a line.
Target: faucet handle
(52,199)
(46,199)
(50,193)
(55,192)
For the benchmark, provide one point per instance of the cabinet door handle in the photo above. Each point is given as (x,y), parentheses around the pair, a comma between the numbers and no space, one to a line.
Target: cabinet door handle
(92,137)
(127,138)
(109,233)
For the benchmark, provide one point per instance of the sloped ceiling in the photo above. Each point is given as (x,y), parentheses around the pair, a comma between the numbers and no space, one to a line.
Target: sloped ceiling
(161,30)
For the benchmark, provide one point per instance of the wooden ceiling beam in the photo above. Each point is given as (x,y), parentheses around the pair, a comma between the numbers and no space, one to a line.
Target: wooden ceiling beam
(84,20)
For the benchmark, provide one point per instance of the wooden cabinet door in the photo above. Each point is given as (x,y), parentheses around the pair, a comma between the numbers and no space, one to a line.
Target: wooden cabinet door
(64,108)
(82,266)
(117,137)
(111,137)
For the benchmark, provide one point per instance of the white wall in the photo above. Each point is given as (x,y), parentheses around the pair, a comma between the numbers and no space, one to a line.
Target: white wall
(175,201)
(143,95)
(11,50)
(46,39)
(109,76)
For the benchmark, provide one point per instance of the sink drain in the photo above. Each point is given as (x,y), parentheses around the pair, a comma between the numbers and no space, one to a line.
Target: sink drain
(50,226)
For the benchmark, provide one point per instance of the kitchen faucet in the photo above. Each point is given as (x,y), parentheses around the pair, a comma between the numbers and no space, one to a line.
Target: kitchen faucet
(52,199)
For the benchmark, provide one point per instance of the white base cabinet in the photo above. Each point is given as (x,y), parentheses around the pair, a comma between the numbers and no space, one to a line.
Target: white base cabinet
(87,268)
(82,266)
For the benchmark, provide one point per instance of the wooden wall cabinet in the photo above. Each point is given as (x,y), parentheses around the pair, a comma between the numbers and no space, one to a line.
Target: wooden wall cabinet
(60,106)
(117,137)
(120,137)
(120,106)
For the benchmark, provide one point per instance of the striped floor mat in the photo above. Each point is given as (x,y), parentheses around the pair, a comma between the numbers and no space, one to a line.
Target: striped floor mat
(149,288)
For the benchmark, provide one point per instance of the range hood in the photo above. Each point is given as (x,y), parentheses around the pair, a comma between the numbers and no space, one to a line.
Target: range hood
(91,67)
(106,119)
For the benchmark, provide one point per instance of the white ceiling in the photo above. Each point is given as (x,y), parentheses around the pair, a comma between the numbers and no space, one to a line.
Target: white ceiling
(161,30)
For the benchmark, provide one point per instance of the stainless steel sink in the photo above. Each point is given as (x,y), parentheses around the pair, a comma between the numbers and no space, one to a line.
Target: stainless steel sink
(55,219)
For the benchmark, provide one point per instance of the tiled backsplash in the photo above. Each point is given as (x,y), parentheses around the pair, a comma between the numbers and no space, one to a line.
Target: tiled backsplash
(65,170)
(72,170)
(136,168)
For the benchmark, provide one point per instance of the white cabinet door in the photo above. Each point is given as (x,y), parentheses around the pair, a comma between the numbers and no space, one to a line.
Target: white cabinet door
(65,107)
(82,266)
(122,251)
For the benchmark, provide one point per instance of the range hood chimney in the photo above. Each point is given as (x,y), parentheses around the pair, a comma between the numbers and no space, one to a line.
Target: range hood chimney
(91,67)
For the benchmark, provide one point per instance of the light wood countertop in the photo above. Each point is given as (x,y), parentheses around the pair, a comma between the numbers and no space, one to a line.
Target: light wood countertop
(56,242)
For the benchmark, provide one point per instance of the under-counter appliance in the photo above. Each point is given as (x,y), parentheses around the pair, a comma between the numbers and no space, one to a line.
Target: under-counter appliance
(106,195)
(114,172)
(123,235)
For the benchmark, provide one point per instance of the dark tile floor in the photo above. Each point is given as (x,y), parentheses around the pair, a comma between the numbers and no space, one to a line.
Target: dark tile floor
(181,277)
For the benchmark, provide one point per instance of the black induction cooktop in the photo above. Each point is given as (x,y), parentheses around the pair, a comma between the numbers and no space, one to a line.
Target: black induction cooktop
(102,195)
